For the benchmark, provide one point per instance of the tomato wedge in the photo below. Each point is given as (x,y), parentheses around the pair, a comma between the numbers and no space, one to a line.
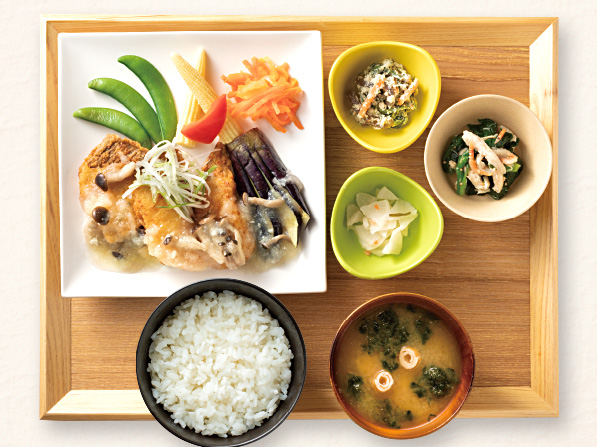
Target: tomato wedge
(209,126)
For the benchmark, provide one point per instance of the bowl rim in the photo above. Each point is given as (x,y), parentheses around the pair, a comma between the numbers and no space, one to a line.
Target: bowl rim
(437,191)
(466,350)
(181,295)
(336,249)
(335,106)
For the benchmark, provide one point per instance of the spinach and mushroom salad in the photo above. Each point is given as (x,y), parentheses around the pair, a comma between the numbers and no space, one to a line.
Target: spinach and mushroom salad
(483,159)
(398,365)
(384,96)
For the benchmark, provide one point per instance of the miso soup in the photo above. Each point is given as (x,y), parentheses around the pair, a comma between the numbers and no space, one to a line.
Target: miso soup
(398,366)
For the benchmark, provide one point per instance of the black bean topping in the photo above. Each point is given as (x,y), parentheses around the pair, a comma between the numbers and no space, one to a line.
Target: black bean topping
(228,238)
(101,215)
(167,240)
(222,233)
(100,180)
(227,253)
(221,243)
(141,230)
(117,255)
(235,241)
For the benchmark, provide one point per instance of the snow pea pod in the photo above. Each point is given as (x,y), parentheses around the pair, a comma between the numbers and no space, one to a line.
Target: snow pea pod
(159,91)
(133,101)
(117,121)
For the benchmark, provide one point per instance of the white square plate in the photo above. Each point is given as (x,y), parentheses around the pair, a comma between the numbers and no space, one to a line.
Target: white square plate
(83,57)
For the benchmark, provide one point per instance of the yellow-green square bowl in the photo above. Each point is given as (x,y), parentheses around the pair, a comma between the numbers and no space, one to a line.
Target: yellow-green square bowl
(424,233)
(416,61)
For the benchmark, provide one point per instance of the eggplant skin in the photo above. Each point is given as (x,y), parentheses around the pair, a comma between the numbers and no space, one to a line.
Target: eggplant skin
(260,172)
(267,161)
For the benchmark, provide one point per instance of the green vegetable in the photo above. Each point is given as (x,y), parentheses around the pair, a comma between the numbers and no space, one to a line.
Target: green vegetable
(386,413)
(133,101)
(489,127)
(485,128)
(455,145)
(511,176)
(389,366)
(472,191)
(462,170)
(384,335)
(514,167)
(159,91)
(422,325)
(423,330)
(418,389)
(118,121)
(355,385)
(436,382)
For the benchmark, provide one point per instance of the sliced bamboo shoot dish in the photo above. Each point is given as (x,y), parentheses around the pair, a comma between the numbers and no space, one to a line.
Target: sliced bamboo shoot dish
(380,222)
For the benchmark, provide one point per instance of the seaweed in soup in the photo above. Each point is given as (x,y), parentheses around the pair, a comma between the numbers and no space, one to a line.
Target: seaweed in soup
(384,334)
(355,385)
(391,415)
(422,325)
(435,382)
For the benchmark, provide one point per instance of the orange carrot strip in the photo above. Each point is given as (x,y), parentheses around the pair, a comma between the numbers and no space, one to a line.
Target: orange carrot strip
(501,135)
(370,97)
(267,91)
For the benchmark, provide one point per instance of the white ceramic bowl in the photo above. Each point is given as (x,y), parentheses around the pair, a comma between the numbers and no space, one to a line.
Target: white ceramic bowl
(534,150)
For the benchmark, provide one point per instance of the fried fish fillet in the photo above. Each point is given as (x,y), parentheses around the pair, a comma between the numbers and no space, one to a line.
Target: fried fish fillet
(220,238)
(225,223)
(114,158)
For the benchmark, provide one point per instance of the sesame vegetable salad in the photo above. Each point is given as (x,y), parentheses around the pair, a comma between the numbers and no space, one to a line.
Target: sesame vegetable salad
(384,96)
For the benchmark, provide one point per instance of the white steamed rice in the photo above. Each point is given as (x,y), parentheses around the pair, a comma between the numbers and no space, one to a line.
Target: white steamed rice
(220,364)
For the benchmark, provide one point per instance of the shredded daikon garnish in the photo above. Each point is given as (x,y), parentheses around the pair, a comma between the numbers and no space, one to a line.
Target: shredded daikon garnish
(171,173)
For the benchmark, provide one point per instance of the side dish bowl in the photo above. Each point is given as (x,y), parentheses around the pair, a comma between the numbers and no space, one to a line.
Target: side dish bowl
(534,149)
(276,309)
(425,232)
(416,61)
(461,338)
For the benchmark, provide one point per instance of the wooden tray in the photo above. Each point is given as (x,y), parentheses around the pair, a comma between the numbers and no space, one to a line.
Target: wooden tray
(505,294)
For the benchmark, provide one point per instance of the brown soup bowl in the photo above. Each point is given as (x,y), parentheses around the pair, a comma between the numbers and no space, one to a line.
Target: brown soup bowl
(466,351)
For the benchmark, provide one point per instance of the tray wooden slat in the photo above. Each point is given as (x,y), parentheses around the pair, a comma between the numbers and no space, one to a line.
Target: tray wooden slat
(509,308)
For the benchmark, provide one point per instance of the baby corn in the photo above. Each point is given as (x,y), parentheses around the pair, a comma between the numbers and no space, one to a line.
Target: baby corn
(205,96)
(192,110)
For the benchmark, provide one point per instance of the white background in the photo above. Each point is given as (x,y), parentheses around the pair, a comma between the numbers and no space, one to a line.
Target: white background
(19,227)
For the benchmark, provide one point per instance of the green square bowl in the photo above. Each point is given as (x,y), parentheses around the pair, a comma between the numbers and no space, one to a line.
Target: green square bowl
(424,234)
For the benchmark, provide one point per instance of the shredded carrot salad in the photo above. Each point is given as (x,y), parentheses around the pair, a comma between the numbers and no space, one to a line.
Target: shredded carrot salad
(267,91)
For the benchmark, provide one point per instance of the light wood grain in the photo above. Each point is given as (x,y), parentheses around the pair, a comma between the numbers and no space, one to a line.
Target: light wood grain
(483,402)
(55,329)
(512,319)
(544,226)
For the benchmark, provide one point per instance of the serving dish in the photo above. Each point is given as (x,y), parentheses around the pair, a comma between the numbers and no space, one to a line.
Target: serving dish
(424,234)
(534,150)
(276,310)
(86,56)
(418,62)
(461,338)
(82,338)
